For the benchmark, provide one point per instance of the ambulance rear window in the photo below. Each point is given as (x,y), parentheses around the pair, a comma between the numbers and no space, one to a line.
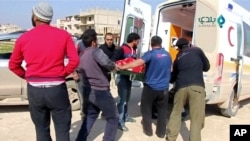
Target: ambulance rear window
(246,40)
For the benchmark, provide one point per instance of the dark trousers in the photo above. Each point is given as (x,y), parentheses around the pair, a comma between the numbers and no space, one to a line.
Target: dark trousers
(158,98)
(44,102)
(94,102)
(124,92)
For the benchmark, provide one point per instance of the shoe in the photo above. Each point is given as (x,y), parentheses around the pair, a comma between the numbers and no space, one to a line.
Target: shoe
(160,135)
(148,133)
(130,119)
(123,128)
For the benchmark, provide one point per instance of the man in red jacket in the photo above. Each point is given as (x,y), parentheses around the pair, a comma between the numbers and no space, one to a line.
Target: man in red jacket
(124,84)
(44,48)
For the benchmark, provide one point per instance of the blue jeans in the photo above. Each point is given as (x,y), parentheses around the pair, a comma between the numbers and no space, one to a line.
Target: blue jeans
(94,102)
(124,92)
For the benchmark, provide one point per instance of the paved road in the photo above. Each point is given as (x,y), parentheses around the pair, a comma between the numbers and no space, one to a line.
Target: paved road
(15,124)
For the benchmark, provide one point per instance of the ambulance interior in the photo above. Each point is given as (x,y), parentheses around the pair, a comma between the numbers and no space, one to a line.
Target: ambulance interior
(181,18)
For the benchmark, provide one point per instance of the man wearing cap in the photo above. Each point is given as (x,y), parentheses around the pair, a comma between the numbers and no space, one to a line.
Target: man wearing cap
(187,75)
(44,48)
(156,86)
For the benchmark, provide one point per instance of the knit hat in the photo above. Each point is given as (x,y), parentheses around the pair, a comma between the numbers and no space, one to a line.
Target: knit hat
(43,11)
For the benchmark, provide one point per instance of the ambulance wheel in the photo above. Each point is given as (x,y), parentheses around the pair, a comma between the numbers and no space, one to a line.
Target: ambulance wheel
(233,106)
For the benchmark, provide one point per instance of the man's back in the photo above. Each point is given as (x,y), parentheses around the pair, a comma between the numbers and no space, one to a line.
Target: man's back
(44,49)
(79,47)
(158,68)
(189,65)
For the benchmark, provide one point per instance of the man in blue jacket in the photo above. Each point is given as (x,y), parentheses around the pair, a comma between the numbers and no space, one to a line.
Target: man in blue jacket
(158,70)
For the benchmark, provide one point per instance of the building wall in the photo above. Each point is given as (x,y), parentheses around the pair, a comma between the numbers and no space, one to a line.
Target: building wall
(102,20)
(7,28)
(70,24)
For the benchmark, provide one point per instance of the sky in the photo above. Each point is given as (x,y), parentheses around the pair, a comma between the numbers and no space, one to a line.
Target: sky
(19,11)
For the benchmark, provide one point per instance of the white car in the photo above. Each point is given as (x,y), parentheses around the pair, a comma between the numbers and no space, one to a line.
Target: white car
(13,90)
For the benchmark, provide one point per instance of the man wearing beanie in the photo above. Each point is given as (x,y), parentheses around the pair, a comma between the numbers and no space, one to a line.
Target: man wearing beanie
(187,76)
(44,48)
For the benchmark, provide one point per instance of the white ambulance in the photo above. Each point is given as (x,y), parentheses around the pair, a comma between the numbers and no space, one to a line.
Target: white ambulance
(220,27)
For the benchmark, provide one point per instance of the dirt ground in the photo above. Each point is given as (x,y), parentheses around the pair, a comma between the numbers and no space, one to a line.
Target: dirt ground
(16,125)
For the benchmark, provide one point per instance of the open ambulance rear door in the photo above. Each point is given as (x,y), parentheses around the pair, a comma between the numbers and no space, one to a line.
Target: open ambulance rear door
(137,18)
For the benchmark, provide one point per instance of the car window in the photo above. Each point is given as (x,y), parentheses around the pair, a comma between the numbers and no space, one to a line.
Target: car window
(6,47)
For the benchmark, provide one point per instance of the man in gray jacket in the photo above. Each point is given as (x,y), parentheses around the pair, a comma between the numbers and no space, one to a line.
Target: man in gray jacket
(97,97)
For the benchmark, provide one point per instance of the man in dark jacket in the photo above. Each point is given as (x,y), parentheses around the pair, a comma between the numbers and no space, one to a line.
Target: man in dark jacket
(108,48)
(97,97)
(187,75)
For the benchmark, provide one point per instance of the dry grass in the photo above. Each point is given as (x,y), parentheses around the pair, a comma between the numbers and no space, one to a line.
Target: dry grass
(6,46)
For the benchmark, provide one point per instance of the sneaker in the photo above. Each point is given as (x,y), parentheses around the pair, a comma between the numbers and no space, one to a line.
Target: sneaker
(123,128)
(130,119)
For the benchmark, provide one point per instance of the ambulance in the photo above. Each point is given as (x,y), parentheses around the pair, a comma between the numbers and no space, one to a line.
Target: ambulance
(221,28)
